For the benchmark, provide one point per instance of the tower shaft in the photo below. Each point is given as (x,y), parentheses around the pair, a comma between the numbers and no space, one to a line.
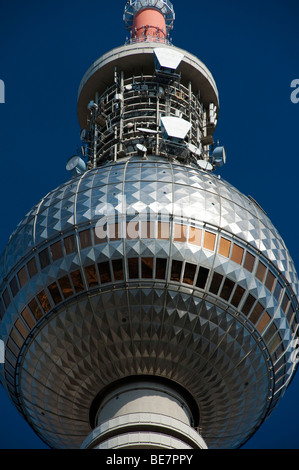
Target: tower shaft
(144,414)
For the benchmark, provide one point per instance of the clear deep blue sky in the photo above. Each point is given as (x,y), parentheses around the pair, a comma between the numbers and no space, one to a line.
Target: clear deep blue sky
(251,48)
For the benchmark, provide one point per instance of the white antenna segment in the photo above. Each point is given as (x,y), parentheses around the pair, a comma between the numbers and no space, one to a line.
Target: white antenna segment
(174,127)
(166,58)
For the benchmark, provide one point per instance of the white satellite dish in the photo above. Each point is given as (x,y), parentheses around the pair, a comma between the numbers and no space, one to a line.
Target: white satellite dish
(194,149)
(219,155)
(76,165)
(141,148)
(145,130)
(205,165)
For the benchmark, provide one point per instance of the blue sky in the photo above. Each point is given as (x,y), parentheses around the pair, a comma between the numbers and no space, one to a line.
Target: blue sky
(251,48)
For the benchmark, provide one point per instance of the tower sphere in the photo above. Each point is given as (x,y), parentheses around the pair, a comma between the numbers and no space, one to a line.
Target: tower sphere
(146,302)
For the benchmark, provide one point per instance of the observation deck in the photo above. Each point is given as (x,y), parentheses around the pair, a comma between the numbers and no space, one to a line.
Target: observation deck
(137,60)
(129,95)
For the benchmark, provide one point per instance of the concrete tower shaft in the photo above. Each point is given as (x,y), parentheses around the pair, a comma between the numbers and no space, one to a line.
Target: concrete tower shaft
(144,413)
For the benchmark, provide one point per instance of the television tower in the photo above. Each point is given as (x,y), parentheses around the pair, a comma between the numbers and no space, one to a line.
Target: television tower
(146,302)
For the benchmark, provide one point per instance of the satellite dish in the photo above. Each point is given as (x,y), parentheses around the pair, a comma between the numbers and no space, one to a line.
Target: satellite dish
(205,165)
(76,165)
(141,148)
(219,156)
(194,149)
(84,135)
(145,130)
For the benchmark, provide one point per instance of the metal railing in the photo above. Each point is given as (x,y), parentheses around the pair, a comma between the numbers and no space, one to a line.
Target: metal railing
(149,38)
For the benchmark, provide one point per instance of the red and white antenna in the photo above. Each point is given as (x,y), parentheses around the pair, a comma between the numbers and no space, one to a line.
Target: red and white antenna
(149,20)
